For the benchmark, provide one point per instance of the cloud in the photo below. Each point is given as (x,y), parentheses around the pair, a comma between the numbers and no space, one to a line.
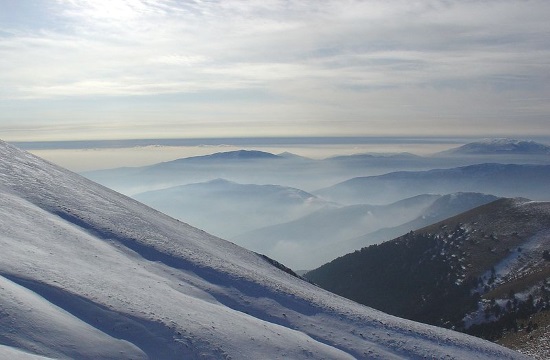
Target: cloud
(327,59)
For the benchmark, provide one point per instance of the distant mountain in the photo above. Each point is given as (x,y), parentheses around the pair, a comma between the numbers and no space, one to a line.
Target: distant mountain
(314,239)
(242,166)
(259,167)
(453,204)
(87,273)
(505,180)
(238,155)
(289,155)
(500,147)
(372,156)
(485,271)
(444,207)
(226,208)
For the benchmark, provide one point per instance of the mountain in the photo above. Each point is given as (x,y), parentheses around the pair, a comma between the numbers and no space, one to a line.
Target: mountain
(453,204)
(237,155)
(499,147)
(316,238)
(296,227)
(289,155)
(504,180)
(443,207)
(485,271)
(258,167)
(242,166)
(226,208)
(88,273)
(374,156)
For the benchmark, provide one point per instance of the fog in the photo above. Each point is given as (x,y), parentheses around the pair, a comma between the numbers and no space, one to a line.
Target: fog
(89,156)
(303,210)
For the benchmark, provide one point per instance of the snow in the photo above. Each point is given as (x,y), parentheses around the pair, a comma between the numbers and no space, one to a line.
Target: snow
(503,145)
(520,259)
(538,346)
(7,352)
(88,273)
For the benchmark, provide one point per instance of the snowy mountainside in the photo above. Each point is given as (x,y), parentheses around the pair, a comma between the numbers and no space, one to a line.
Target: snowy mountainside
(88,273)
(501,146)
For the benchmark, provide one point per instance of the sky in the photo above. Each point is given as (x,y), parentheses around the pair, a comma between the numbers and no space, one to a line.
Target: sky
(133,69)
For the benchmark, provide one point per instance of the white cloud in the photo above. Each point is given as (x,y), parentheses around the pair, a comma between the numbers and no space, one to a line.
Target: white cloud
(307,55)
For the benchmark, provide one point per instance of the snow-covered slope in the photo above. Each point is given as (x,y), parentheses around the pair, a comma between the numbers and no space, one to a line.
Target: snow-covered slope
(500,147)
(88,273)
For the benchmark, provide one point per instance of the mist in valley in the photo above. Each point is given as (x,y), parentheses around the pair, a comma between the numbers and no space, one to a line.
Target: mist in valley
(304,212)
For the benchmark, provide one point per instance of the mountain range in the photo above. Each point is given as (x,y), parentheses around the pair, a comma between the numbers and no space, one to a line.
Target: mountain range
(445,206)
(501,146)
(506,180)
(226,208)
(88,273)
(297,228)
(286,169)
(304,229)
(319,237)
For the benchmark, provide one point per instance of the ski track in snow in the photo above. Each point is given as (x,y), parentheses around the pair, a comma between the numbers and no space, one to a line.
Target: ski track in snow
(88,273)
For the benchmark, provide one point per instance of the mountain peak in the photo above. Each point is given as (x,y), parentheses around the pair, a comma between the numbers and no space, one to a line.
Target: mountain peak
(500,146)
(244,154)
(289,155)
(237,155)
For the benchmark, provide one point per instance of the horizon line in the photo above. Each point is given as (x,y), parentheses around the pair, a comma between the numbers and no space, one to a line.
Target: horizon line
(248,141)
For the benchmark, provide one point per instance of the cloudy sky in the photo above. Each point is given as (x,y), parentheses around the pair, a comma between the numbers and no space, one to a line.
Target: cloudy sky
(105,69)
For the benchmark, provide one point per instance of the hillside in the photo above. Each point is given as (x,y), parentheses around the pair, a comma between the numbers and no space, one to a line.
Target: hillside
(485,271)
(443,207)
(88,273)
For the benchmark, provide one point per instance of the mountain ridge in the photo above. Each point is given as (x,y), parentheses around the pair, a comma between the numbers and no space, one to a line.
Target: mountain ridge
(505,180)
(314,238)
(458,273)
(227,208)
(500,146)
(236,155)
(442,208)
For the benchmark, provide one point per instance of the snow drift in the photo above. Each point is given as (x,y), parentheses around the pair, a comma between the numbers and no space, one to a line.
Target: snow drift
(88,273)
